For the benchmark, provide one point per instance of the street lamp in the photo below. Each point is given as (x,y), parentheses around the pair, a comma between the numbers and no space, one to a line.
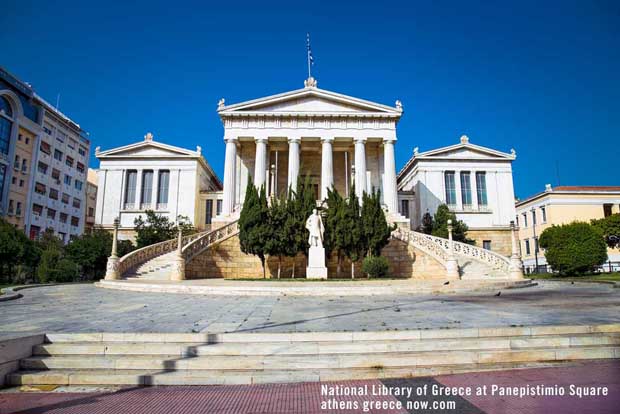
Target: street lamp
(535,239)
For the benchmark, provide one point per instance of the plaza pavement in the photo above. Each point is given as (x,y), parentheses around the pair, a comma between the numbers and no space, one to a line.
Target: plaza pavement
(86,308)
(307,397)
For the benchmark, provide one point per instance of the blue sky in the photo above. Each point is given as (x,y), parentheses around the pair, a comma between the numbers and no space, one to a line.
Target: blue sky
(540,77)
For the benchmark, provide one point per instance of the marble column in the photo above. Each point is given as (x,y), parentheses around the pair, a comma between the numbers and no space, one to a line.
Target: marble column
(230,165)
(138,198)
(390,196)
(260,162)
(360,167)
(516,265)
(327,167)
(293,162)
(154,193)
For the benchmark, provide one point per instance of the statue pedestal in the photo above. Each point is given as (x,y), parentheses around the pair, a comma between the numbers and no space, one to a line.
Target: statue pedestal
(316,263)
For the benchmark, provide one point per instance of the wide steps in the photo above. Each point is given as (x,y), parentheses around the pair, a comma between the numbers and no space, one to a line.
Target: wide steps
(245,358)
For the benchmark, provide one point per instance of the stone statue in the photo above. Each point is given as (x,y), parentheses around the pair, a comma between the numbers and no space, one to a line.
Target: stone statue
(314,224)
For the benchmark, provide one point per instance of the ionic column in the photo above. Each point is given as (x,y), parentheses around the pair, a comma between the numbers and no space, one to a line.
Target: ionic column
(327,167)
(260,162)
(138,199)
(155,195)
(360,167)
(230,164)
(293,162)
(390,196)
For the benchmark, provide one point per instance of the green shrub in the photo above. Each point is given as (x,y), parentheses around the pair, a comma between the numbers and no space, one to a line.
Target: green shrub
(574,248)
(375,266)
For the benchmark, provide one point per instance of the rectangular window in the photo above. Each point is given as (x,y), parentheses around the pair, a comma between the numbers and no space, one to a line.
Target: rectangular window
(56,174)
(607,210)
(524,219)
(24,165)
(481,188)
(527,247)
(5,135)
(533,217)
(209,211)
(80,167)
(82,151)
(2,177)
(18,209)
(46,148)
(77,202)
(163,184)
(58,155)
(72,143)
(39,188)
(65,198)
(465,188)
(404,208)
(543,211)
(218,207)
(75,221)
(67,179)
(11,208)
(63,217)
(53,194)
(517,220)
(51,213)
(60,137)
(69,161)
(130,187)
(48,129)
(42,168)
(78,184)
(450,188)
(486,244)
(16,163)
(37,209)
(91,212)
(147,187)
(34,232)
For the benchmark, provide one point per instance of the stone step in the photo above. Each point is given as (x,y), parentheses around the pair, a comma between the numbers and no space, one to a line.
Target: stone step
(219,377)
(311,348)
(319,361)
(348,337)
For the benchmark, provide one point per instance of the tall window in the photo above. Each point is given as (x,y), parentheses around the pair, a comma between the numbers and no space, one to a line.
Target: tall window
(162,187)
(450,188)
(533,217)
(544,214)
(465,188)
(607,210)
(404,208)
(481,188)
(527,247)
(130,187)
(218,207)
(5,125)
(524,219)
(147,187)
(2,177)
(208,211)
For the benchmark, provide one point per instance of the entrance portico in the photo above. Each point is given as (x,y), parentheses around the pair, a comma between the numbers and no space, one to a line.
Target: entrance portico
(335,140)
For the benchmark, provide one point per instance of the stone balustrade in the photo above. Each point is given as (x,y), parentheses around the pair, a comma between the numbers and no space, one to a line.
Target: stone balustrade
(200,244)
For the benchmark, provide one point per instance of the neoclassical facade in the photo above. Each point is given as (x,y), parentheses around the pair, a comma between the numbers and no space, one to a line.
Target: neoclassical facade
(337,141)
(150,175)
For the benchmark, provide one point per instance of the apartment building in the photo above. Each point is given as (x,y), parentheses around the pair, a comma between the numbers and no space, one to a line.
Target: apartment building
(91,200)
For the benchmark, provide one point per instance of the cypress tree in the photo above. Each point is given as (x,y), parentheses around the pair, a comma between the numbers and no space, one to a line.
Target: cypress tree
(376,230)
(277,243)
(253,223)
(354,244)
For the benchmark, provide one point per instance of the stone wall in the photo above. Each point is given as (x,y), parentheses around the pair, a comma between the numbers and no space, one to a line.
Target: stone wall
(500,240)
(226,260)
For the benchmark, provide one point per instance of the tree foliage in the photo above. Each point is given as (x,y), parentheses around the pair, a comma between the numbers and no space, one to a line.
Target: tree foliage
(336,227)
(609,228)
(254,223)
(574,248)
(278,242)
(440,225)
(18,254)
(375,229)
(158,228)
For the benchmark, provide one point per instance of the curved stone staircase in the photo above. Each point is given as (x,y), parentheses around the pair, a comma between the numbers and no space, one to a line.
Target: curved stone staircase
(155,262)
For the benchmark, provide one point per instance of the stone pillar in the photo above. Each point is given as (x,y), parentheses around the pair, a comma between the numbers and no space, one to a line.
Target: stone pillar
(155,195)
(138,199)
(260,163)
(327,167)
(516,265)
(452,266)
(230,166)
(113,261)
(390,196)
(360,167)
(293,162)
(178,263)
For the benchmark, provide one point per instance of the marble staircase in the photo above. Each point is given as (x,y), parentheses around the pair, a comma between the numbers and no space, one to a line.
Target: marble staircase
(246,358)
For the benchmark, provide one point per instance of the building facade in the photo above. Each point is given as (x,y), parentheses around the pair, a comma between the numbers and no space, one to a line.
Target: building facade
(91,200)
(475,182)
(150,175)
(334,140)
(562,205)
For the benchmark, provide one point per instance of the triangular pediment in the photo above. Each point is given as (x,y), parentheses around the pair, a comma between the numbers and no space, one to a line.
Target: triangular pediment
(309,101)
(464,152)
(148,149)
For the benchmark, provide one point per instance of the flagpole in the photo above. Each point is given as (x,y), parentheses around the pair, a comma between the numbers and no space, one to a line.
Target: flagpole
(308,54)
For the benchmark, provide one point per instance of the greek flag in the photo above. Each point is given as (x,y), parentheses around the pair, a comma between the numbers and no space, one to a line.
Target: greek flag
(310,57)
